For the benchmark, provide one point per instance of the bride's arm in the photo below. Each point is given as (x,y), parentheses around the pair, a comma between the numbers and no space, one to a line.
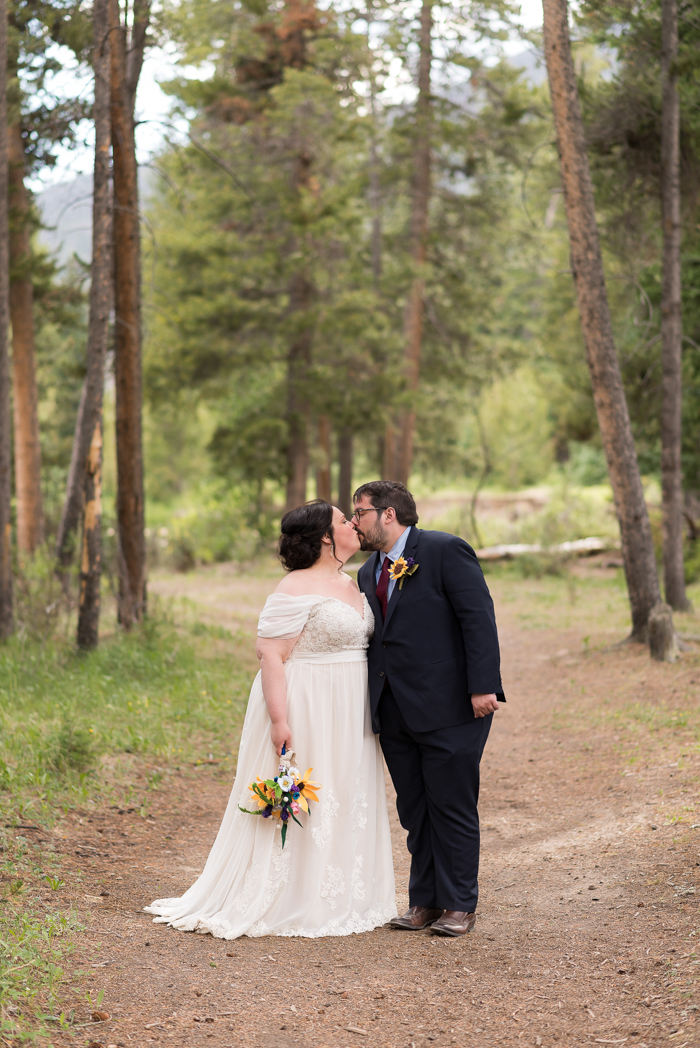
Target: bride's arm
(273,654)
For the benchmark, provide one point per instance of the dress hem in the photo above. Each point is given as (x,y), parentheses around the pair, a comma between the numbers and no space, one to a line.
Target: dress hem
(223,930)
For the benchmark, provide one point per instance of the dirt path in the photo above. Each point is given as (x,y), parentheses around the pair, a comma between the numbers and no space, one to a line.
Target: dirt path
(588,915)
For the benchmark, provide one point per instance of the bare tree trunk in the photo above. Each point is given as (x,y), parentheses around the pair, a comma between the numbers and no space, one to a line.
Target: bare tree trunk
(73,502)
(30,510)
(671,323)
(323,471)
(606,380)
(298,361)
(90,413)
(375,197)
(388,450)
(127,304)
(6,617)
(399,442)
(345,471)
(90,561)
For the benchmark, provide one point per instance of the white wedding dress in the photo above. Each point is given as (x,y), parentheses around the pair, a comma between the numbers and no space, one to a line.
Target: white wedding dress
(335,875)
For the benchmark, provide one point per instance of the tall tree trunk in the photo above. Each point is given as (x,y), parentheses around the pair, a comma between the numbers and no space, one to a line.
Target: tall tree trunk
(298,361)
(606,380)
(301,292)
(375,196)
(323,470)
(30,510)
(126,61)
(399,436)
(671,323)
(73,501)
(90,561)
(90,414)
(345,471)
(6,617)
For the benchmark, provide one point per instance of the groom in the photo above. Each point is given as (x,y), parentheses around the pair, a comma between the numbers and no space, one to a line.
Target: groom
(435,683)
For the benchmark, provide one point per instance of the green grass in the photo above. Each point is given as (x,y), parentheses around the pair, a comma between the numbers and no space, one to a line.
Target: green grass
(32,949)
(71,725)
(88,729)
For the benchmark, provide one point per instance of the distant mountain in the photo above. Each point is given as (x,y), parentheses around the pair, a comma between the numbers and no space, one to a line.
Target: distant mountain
(532,65)
(66,212)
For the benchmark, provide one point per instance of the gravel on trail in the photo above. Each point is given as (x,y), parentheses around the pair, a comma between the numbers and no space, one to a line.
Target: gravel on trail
(587,928)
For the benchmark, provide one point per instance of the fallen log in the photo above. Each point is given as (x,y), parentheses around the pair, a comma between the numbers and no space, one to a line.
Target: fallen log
(579,547)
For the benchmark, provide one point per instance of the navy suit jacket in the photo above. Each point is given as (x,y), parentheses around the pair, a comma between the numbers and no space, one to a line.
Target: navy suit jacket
(439,644)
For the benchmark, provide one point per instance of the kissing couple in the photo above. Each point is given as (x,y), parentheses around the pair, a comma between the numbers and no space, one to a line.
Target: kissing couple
(405,662)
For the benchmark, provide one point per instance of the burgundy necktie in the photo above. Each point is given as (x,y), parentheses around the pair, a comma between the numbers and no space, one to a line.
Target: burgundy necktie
(383,585)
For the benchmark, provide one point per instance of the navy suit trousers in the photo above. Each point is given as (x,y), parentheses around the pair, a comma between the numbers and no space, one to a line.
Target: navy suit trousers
(436,777)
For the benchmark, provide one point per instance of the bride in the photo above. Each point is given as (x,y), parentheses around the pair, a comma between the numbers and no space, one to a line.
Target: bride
(335,875)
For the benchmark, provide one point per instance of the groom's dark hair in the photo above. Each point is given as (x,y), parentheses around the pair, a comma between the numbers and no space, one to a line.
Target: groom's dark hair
(392,494)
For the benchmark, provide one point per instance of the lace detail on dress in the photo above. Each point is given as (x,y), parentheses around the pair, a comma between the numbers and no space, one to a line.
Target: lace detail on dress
(252,878)
(333,886)
(358,816)
(358,886)
(333,625)
(280,862)
(354,924)
(329,810)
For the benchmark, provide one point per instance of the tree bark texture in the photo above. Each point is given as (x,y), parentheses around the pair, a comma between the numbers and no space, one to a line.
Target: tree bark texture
(98,338)
(73,501)
(606,380)
(298,361)
(30,510)
(323,470)
(345,442)
(301,293)
(125,68)
(90,409)
(663,642)
(671,322)
(90,561)
(400,435)
(6,617)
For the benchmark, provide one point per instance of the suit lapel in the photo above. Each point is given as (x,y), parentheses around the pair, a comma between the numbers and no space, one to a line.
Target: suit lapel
(369,570)
(409,550)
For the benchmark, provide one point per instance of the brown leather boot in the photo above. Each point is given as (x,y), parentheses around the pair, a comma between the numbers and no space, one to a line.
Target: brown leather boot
(415,919)
(454,922)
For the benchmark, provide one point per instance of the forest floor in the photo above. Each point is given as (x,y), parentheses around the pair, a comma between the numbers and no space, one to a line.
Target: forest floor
(588,927)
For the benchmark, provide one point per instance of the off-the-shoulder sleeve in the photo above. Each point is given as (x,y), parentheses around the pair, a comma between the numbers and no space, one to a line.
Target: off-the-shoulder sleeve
(284,616)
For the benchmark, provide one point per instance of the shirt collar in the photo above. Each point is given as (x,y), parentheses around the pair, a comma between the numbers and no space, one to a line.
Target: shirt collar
(397,549)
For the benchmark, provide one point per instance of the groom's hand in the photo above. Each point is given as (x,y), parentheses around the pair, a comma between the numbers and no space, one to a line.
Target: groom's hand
(484,704)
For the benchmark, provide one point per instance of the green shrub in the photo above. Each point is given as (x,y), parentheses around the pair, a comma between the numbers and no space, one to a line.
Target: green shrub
(586,465)
(692,561)
(40,600)
(162,692)
(219,526)
(71,748)
(536,565)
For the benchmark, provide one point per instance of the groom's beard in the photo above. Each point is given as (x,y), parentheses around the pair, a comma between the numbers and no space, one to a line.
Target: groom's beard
(372,539)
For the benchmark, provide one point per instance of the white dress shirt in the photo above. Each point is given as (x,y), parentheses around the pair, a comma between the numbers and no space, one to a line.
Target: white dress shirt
(394,553)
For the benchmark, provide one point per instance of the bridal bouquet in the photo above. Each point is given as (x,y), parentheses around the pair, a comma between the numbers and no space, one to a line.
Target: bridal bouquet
(284,796)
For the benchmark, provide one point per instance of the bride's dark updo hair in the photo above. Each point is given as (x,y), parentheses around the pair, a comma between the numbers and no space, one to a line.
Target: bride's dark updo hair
(303,529)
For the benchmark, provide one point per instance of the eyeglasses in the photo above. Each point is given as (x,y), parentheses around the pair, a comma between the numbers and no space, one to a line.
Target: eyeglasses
(359,513)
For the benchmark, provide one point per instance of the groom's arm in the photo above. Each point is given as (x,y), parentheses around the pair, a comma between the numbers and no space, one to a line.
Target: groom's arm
(464,584)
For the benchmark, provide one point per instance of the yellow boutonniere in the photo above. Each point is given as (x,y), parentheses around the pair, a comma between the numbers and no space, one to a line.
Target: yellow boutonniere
(401,569)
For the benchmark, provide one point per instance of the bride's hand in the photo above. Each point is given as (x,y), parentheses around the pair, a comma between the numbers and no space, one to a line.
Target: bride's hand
(281,736)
